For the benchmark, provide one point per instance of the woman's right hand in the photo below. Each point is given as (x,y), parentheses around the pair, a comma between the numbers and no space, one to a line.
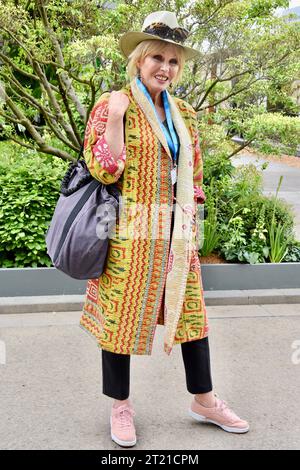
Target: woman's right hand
(117,104)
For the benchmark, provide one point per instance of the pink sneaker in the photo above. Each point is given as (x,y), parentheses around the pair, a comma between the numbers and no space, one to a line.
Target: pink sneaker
(220,415)
(122,426)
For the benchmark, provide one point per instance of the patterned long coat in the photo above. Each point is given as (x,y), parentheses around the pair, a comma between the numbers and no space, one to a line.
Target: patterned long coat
(152,276)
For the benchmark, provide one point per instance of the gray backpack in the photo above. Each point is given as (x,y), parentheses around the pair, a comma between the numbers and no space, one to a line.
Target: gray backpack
(85,215)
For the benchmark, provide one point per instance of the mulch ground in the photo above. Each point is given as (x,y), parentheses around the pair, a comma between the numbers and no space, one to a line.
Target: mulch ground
(213,258)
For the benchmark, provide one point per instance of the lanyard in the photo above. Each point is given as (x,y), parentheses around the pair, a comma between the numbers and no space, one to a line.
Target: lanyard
(175,145)
(170,136)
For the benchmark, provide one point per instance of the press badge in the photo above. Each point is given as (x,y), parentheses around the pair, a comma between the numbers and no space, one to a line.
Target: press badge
(174,175)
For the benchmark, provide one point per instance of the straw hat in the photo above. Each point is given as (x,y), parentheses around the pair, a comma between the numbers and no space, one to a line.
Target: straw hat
(162,25)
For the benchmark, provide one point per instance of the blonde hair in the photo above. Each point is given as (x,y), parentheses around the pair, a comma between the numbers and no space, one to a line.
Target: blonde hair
(152,46)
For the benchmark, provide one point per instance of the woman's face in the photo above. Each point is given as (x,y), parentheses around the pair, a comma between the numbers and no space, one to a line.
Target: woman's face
(158,69)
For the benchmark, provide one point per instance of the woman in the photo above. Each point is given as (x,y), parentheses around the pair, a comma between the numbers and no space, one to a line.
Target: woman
(152,274)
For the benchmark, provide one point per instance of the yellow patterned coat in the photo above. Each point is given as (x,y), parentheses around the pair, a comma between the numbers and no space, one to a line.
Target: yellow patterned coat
(152,276)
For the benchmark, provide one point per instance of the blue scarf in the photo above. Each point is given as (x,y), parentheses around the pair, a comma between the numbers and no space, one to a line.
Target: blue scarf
(171,135)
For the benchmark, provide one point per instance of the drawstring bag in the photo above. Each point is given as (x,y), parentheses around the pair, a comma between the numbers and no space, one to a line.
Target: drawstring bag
(85,216)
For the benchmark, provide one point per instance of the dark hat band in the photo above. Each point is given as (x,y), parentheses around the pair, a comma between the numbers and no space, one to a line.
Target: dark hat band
(165,32)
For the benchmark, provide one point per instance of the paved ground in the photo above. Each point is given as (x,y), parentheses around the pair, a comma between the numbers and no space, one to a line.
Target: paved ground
(51,397)
(290,188)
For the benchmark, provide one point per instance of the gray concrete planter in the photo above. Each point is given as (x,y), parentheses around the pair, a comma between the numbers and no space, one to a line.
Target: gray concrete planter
(16,282)
(251,277)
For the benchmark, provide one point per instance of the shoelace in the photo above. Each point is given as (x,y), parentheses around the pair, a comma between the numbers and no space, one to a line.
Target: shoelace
(125,415)
(223,406)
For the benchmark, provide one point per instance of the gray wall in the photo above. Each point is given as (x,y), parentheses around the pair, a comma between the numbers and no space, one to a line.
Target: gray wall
(49,281)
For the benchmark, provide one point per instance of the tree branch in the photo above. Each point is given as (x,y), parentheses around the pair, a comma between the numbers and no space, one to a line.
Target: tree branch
(69,111)
(59,115)
(219,80)
(49,118)
(44,82)
(240,148)
(56,66)
(12,64)
(9,118)
(209,18)
(29,98)
(67,82)
(17,41)
(20,142)
(42,145)
(228,96)
(26,74)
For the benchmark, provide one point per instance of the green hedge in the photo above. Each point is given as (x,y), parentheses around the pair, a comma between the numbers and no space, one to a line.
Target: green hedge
(29,185)
(281,133)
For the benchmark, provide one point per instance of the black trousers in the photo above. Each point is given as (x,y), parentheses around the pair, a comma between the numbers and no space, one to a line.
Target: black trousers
(196,359)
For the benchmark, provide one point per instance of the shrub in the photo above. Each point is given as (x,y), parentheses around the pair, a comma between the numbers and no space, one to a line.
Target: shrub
(243,217)
(293,252)
(211,232)
(215,148)
(270,133)
(281,134)
(29,191)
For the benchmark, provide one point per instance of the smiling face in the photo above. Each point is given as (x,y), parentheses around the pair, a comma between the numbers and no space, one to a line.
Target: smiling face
(159,68)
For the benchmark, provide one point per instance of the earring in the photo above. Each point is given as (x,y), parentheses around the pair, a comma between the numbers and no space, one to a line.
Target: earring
(171,85)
